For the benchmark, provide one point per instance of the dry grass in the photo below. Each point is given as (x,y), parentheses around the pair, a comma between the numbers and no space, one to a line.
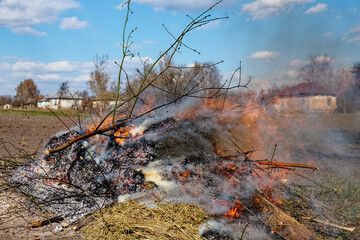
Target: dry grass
(131,220)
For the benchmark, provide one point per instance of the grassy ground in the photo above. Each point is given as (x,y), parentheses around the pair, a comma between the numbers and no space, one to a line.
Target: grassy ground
(332,142)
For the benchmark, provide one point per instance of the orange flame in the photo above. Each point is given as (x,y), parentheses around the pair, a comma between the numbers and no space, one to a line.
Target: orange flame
(123,133)
(269,196)
(234,212)
(185,174)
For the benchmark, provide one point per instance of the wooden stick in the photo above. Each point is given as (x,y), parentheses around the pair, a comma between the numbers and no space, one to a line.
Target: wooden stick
(325,222)
(86,135)
(46,222)
(284,165)
(105,129)
(280,222)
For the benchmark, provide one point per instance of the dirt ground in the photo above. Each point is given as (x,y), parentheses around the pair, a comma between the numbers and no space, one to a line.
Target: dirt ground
(26,135)
(329,139)
(20,131)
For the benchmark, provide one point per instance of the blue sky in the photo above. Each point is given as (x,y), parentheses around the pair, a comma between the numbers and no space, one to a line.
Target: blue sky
(52,41)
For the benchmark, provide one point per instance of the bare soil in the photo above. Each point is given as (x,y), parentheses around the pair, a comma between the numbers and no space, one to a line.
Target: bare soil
(25,135)
(28,133)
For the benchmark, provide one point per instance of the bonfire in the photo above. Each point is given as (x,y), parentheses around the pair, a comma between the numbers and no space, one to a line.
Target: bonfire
(189,166)
(170,156)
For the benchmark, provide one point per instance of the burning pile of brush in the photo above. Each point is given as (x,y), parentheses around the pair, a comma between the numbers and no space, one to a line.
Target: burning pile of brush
(176,155)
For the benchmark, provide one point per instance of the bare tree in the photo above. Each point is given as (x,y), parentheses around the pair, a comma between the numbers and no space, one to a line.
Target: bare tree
(5,100)
(348,101)
(86,101)
(27,92)
(318,69)
(169,81)
(160,75)
(64,88)
(99,79)
(356,72)
(205,75)
(84,94)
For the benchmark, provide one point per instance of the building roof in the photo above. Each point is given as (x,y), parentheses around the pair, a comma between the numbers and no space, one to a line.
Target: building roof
(304,89)
(65,95)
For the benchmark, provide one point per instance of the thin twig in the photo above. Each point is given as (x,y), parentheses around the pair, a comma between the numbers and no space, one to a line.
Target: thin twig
(327,223)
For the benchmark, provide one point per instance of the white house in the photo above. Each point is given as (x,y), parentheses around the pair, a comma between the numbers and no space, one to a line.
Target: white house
(305,97)
(104,103)
(56,101)
(7,106)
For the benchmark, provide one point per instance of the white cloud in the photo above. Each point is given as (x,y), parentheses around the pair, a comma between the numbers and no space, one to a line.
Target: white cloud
(121,6)
(183,5)
(355,39)
(11,58)
(131,64)
(60,66)
(27,30)
(353,35)
(235,78)
(135,46)
(327,35)
(355,29)
(25,13)
(210,25)
(296,63)
(320,7)
(323,59)
(150,42)
(292,73)
(276,78)
(5,67)
(260,9)
(264,55)
(48,77)
(73,23)
(26,66)
(83,66)
(82,78)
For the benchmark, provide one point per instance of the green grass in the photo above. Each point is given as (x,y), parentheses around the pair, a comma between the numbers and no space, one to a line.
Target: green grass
(343,194)
(42,112)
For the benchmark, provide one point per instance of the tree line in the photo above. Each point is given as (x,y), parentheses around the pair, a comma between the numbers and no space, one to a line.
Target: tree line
(345,83)
(171,83)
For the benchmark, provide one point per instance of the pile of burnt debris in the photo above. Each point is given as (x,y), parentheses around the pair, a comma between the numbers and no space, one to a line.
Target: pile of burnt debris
(90,174)
(176,157)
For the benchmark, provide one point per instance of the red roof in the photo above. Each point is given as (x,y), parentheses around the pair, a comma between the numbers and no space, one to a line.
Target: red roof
(304,89)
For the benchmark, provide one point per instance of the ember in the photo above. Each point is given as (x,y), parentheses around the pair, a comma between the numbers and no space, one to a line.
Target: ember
(234,212)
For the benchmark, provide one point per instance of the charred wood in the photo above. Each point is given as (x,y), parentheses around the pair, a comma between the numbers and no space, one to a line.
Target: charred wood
(280,222)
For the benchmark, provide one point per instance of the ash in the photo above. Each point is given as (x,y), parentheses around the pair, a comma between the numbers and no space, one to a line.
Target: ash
(96,172)
(86,176)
